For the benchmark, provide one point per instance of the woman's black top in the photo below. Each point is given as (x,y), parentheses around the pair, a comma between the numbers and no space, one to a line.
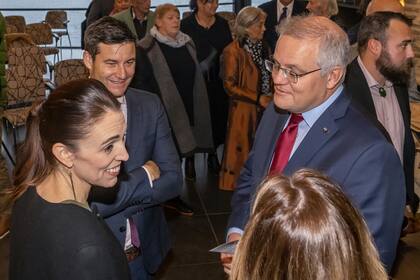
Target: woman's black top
(182,68)
(62,241)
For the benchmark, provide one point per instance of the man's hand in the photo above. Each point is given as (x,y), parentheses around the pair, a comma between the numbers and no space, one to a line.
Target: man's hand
(153,169)
(226,259)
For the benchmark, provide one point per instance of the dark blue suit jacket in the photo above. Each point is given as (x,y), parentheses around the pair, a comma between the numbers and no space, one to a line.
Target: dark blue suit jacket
(270,8)
(148,138)
(350,150)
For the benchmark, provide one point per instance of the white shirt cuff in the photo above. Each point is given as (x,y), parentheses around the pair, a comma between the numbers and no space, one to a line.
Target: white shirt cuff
(234,230)
(148,176)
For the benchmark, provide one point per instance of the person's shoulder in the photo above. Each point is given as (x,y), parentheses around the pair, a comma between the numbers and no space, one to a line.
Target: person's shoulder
(123,15)
(141,97)
(267,6)
(358,121)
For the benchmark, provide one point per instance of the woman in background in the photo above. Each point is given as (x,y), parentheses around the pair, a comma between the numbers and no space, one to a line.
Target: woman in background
(211,34)
(248,84)
(74,140)
(167,65)
(304,227)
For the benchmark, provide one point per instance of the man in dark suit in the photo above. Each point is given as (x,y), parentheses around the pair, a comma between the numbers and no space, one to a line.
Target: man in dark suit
(313,124)
(152,174)
(377,79)
(278,11)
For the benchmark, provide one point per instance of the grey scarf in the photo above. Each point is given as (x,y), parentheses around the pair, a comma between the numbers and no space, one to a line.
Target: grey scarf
(180,40)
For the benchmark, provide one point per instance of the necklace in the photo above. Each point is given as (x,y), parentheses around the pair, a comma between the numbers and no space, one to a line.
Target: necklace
(204,25)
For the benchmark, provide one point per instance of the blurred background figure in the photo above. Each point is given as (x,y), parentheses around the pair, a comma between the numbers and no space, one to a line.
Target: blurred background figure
(139,18)
(167,65)
(323,8)
(304,227)
(120,5)
(98,9)
(211,35)
(248,84)
(278,12)
(75,139)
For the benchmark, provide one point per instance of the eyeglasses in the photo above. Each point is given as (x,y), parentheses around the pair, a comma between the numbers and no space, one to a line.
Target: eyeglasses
(288,74)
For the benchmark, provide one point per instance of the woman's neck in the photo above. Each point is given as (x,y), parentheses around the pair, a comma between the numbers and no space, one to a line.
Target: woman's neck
(58,187)
(204,20)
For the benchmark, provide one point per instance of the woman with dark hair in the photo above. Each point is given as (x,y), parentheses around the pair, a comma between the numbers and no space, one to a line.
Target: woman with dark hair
(248,83)
(75,139)
(304,227)
(167,65)
(211,34)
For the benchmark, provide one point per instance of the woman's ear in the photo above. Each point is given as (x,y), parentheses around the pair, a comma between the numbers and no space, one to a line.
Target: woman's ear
(63,154)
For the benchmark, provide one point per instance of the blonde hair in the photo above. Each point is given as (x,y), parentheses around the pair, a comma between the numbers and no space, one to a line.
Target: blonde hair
(247,17)
(161,10)
(304,227)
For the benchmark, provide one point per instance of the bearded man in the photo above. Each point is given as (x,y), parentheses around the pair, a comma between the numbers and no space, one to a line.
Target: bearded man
(377,80)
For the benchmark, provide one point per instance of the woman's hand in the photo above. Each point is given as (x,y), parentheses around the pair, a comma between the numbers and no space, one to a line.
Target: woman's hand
(226,259)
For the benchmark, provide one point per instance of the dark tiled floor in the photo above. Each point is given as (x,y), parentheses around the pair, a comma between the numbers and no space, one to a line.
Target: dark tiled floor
(194,236)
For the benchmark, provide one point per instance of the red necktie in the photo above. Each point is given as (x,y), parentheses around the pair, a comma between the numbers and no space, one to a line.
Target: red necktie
(285,144)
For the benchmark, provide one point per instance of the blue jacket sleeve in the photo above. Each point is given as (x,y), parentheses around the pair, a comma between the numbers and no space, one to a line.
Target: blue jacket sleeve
(375,184)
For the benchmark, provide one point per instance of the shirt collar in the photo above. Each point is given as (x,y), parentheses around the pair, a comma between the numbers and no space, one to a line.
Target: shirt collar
(134,15)
(313,115)
(280,7)
(372,83)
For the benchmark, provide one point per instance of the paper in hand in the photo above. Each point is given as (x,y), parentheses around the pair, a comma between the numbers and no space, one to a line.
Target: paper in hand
(227,248)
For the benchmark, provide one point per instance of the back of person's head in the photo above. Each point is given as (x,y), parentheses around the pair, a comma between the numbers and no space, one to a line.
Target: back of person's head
(66,117)
(384,6)
(375,26)
(109,31)
(161,10)
(304,227)
(334,46)
(247,17)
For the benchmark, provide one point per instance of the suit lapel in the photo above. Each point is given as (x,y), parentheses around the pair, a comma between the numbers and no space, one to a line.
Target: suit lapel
(319,135)
(359,89)
(130,134)
(271,140)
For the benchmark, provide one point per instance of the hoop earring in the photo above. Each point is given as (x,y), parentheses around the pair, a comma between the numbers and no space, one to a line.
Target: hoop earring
(72,185)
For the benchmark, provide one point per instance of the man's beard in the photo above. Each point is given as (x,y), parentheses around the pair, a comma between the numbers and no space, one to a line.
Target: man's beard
(393,73)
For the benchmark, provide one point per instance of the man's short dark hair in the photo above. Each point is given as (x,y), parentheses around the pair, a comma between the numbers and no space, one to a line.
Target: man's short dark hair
(375,26)
(109,31)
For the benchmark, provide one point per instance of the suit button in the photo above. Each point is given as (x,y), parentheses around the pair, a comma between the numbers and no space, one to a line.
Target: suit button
(122,229)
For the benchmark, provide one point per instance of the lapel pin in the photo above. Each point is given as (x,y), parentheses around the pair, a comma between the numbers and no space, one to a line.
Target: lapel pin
(325,130)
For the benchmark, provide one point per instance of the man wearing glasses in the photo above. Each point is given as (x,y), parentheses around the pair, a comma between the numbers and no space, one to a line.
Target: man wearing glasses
(312,124)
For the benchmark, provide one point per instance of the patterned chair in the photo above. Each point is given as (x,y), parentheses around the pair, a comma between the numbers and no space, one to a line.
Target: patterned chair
(18,40)
(17,21)
(25,85)
(28,56)
(11,28)
(68,70)
(42,35)
(58,21)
